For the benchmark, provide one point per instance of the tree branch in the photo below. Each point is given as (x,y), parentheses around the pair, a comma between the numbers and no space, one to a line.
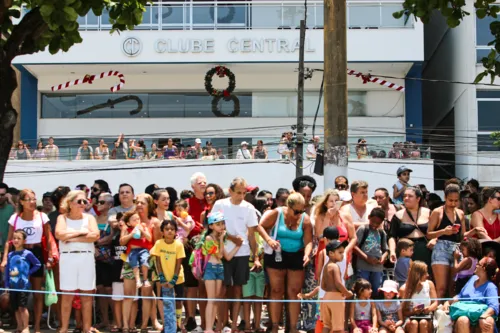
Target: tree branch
(30,24)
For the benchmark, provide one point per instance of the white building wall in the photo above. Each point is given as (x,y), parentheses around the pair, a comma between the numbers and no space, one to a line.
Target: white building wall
(452,57)
(269,175)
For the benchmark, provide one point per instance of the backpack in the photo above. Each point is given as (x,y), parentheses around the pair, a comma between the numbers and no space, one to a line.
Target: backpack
(366,231)
(198,260)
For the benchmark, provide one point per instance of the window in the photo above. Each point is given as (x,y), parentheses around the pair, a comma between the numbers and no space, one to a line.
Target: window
(488,113)
(175,105)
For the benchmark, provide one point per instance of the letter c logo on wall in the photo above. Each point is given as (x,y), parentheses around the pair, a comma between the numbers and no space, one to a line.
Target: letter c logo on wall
(131,46)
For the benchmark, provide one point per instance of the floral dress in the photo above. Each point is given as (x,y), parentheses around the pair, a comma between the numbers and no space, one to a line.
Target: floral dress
(309,310)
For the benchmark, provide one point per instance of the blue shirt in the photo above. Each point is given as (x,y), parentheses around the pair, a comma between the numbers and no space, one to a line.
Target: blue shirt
(20,266)
(290,240)
(486,293)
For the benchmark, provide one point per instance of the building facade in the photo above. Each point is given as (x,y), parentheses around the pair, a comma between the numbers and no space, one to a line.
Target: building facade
(165,59)
(458,115)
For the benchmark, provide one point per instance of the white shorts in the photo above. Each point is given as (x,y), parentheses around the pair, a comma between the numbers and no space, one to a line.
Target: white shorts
(119,291)
(77,271)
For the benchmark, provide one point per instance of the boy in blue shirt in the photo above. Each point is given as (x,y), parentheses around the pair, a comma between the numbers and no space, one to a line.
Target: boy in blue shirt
(21,264)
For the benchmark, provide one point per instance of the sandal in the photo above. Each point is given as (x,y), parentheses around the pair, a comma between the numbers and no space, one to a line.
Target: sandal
(116,330)
(132,330)
(77,330)
(144,330)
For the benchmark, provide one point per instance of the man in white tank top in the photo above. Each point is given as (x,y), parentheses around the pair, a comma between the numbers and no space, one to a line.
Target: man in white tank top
(357,212)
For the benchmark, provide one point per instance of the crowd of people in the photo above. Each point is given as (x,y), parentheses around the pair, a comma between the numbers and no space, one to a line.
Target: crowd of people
(209,244)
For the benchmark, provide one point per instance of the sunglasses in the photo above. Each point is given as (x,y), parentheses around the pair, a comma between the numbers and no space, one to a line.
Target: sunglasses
(209,194)
(306,183)
(30,200)
(101,202)
(95,189)
(341,186)
(298,212)
(82,202)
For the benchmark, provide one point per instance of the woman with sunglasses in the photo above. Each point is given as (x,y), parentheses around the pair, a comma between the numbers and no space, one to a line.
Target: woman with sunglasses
(481,293)
(288,233)
(35,224)
(485,223)
(213,192)
(76,232)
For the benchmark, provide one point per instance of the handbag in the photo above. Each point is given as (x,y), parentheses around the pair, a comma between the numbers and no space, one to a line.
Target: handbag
(470,309)
(50,288)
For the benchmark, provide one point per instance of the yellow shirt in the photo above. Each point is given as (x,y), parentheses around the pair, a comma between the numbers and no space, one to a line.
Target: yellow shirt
(169,253)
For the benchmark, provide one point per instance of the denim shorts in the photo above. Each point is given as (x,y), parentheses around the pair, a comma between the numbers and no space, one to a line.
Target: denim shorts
(442,254)
(138,257)
(213,272)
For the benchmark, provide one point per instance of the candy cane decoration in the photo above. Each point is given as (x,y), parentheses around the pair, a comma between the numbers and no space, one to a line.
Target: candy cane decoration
(369,78)
(90,79)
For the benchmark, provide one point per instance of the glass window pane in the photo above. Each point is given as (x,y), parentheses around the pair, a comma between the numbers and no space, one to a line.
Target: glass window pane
(173,14)
(166,106)
(389,21)
(58,106)
(481,53)
(488,94)
(227,14)
(264,16)
(483,33)
(92,19)
(203,14)
(271,104)
(364,16)
(293,14)
(111,106)
(488,115)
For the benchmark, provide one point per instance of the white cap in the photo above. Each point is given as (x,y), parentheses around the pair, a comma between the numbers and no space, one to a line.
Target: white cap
(197,141)
(345,196)
(244,143)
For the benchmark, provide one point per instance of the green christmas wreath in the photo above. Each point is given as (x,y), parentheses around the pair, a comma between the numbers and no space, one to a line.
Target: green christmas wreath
(220,71)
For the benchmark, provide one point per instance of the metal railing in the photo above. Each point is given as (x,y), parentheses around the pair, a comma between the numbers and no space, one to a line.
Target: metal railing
(249,15)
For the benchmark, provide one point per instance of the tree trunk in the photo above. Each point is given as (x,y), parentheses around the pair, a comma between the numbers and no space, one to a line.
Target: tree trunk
(8,115)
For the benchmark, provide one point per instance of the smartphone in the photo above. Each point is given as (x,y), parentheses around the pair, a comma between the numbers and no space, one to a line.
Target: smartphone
(456,227)
(420,307)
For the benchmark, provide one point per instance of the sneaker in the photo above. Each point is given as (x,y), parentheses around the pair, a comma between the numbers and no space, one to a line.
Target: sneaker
(226,330)
(190,324)
(198,329)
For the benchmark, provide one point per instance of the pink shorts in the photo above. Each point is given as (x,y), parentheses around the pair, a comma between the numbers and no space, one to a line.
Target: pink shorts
(364,325)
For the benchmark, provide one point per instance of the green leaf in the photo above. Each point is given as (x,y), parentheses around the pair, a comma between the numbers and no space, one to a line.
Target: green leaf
(492,55)
(452,22)
(481,13)
(71,14)
(398,15)
(46,10)
(480,77)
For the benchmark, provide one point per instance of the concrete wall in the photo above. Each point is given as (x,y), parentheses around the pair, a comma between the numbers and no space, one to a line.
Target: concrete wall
(43,176)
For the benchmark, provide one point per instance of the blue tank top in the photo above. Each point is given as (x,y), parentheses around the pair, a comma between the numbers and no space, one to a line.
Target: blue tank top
(290,240)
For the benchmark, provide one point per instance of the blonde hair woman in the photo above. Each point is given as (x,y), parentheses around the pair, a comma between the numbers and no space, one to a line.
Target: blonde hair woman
(77,232)
(35,225)
(287,231)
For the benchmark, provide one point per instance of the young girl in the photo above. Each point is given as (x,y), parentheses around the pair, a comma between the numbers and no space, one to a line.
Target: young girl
(213,250)
(184,221)
(139,239)
(389,313)
(169,253)
(422,293)
(363,312)
(470,250)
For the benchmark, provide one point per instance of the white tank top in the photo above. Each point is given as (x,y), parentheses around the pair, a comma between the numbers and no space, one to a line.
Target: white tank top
(355,215)
(72,225)
(422,297)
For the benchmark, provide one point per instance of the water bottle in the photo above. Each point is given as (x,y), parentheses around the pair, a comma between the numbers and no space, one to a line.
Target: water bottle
(277,254)
(136,233)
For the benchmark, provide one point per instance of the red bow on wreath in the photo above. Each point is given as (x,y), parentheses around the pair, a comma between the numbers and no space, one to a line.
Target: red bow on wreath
(220,71)
(88,79)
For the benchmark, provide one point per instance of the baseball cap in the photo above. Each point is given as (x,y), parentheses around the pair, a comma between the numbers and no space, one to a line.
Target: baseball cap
(197,140)
(335,244)
(389,286)
(244,143)
(345,195)
(215,217)
(402,169)
(251,188)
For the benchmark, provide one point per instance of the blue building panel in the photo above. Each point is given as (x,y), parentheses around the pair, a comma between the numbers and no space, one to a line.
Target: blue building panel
(413,103)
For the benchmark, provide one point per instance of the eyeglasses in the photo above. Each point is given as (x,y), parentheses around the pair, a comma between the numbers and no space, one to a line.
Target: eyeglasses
(209,194)
(298,212)
(30,200)
(101,202)
(82,202)
(95,189)
(306,183)
(341,186)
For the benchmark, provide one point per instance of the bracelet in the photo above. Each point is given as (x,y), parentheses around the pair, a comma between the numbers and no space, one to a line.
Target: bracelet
(162,278)
(173,282)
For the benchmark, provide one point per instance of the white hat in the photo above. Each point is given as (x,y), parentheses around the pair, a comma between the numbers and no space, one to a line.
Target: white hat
(197,141)
(345,196)
(244,143)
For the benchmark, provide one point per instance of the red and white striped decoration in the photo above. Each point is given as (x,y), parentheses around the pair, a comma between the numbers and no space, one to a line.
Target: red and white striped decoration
(369,78)
(90,78)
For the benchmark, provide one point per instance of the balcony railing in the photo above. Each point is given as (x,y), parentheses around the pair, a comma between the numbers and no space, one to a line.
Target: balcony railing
(249,15)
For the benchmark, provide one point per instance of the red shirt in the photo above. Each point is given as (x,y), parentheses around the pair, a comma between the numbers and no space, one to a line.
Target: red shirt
(196,207)
(141,242)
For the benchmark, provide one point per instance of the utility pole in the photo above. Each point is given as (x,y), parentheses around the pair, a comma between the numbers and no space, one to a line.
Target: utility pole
(335,94)
(299,151)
